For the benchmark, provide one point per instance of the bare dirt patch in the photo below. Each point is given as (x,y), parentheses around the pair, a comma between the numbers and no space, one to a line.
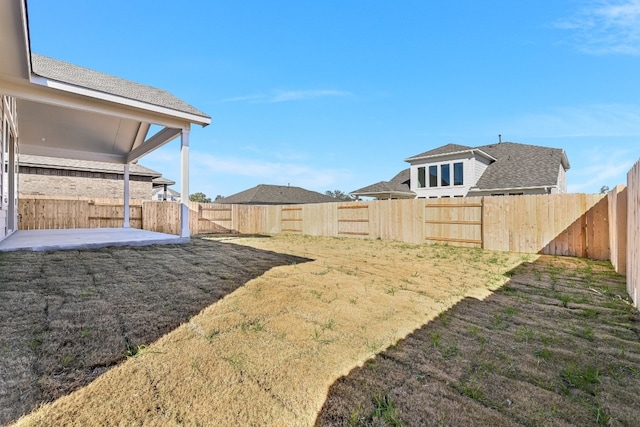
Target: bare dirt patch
(68,316)
(558,345)
(267,353)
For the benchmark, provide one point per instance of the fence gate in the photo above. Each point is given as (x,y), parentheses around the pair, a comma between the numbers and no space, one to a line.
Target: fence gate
(291,220)
(353,220)
(456,221)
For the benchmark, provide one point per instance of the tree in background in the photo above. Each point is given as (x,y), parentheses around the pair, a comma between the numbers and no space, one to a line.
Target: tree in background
(200,198)
(340,195)
(604,189)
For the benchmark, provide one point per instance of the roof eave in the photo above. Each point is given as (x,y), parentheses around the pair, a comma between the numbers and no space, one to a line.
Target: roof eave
(202,120)
(452,153)
(374,193)
(535,187)
(565,161)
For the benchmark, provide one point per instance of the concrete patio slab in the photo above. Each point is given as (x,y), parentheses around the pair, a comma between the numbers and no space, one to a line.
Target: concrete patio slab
(85,238)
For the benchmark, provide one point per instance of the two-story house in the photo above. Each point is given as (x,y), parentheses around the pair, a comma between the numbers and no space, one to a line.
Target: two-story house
(505,168)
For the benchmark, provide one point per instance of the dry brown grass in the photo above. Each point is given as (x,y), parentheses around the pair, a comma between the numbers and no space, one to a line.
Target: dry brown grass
(267,353)
(558,345)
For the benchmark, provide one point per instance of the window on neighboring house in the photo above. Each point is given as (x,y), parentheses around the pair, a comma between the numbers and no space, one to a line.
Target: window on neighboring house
(458,174)
(433,176)
(497,194)
(421,177)
(445,175)
(516,194)
(458,196)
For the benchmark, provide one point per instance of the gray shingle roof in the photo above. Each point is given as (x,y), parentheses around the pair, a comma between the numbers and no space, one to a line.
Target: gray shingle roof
(445,149)
(162,181)
(399,184)
(84,165)
(264,194)
(520,165)
(79,76)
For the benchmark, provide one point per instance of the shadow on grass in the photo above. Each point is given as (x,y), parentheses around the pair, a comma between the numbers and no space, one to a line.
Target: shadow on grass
(559,344)
(68,316)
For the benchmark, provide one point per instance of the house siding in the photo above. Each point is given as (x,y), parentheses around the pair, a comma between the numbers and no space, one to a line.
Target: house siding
(481,165)
(49,183)
(8,154)
(562,181)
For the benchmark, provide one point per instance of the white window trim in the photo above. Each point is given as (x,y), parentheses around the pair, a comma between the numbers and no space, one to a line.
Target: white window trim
(439,175)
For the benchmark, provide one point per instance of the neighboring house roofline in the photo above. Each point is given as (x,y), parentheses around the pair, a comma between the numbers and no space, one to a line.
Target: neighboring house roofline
(267,194)
(452,153)
(374,193)
(161,180)
(45,162)
(565,161)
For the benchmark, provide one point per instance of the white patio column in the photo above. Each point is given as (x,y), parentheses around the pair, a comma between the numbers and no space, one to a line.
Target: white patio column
(184,183)
(127,223)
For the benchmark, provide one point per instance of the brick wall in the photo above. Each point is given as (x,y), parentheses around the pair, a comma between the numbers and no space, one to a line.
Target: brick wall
(75,186)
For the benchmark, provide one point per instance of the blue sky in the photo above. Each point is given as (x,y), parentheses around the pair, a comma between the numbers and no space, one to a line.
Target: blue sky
(335,94)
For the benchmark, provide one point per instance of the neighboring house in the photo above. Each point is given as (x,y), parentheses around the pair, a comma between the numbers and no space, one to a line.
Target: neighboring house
(399,187)
(264,194)
(55,109)
(162,192)
(505,168)
(50,176)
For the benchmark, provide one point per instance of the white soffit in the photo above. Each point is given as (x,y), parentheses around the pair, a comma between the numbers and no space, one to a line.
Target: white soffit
(14,48)
(44,128)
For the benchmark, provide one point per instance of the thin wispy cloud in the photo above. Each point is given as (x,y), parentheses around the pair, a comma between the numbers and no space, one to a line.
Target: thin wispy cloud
(601,166)
(247,98)
(269,172)
(601,120)
(605,27)
(288,96)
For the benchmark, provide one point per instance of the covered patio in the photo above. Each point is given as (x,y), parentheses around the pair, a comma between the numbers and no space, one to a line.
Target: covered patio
(73,112)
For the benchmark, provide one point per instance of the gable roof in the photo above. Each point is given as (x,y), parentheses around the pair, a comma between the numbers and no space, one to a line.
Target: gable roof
(84,77)
(170,192)
(265,194)
(398,186)
(85,165)
(521,166)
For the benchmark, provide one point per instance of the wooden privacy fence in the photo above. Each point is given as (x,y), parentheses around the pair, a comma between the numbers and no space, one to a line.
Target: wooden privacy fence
(38,212)
(559,224)
(633,233)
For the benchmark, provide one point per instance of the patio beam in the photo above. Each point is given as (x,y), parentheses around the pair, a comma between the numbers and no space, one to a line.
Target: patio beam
(157,140)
